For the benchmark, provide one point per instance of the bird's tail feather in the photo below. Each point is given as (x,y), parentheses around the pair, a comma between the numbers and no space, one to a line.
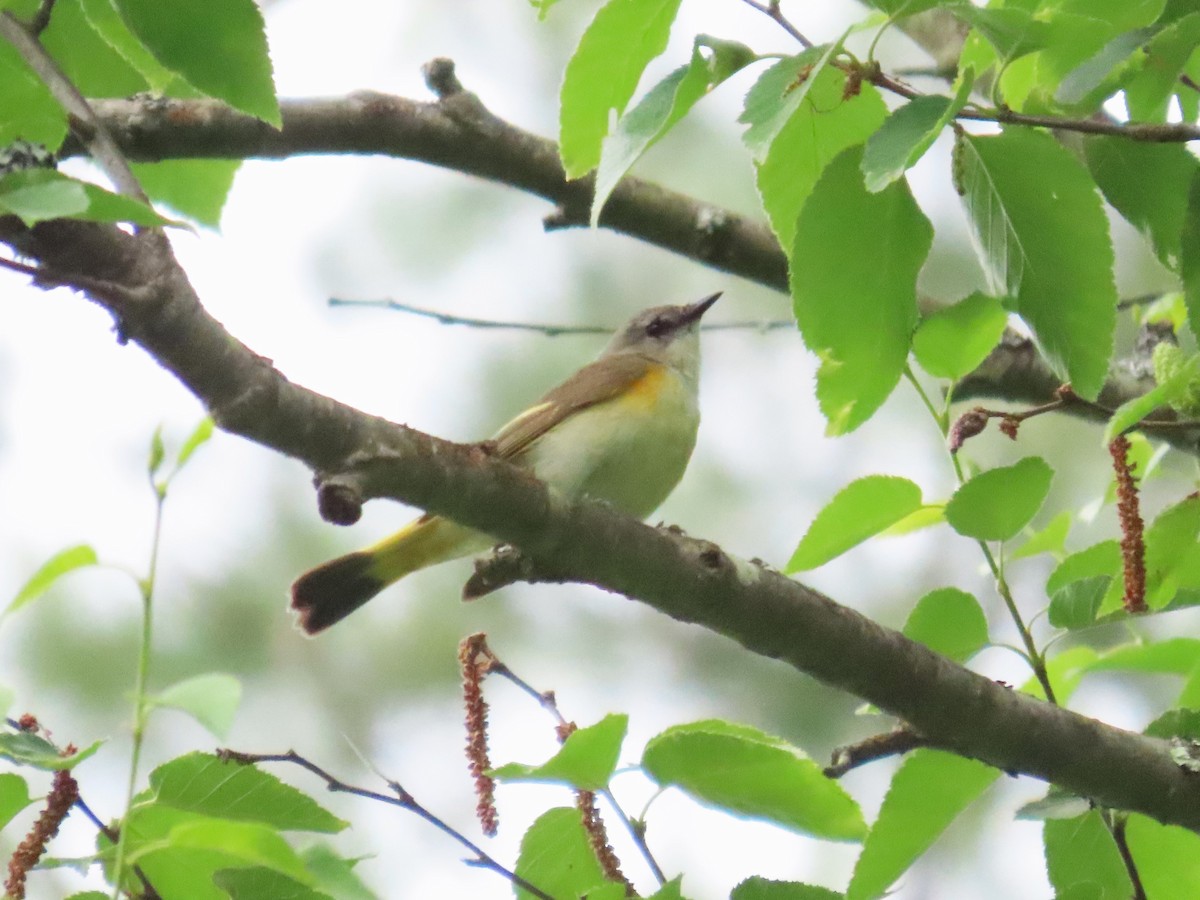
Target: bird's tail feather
(327,594)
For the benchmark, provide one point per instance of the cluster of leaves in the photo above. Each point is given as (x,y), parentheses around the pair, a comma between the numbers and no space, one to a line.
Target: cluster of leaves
(831,160)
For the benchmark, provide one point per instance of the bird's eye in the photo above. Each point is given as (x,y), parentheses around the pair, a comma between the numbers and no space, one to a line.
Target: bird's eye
(658,326)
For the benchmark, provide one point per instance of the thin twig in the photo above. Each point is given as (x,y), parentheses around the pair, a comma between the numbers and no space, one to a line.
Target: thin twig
(547,330)
(548,702)
(897,742)
(772,10)
(39,22)
(1116,827)
(402,799)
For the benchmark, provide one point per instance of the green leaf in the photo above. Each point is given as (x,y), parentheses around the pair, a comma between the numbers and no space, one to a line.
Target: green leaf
(858,319)
(1103,558)
(603,73)
(28,111)
(205,785)
(199,436)
(258,882)
(1148,185)
(746,772)
(1081,854)
(779,93)
(927,516)
(195,188)
(334,874)
(1174,389)
(950,622)
(1085,88)
(557,857)
(860,510)
(995,505)
(1173,656)
(953,341)
(247,843)
(86,58)
(659,111)
(107,22)
(927,792)
(211,699)
(27,749)
(157,452)
(1172,552)
(1189,258)
(1182,723)
(1057,804)
(586,760)
(909,132)
(14,796)
(56,567)
(218,46)
(1168,858)
(1011,30)
(899,8)
(1044,240)
(35,195)
(1052,539)
(825,123)
(758,888)
(1075,605)
(1148,92)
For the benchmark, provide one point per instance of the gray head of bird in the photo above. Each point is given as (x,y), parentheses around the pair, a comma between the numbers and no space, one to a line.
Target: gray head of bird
(669,334)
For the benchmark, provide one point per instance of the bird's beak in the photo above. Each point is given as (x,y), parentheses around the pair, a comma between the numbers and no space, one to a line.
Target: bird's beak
(696,310)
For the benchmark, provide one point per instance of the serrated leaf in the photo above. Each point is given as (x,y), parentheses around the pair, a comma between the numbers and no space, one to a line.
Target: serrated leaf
(860,510)
(953,341)
(35,195)
(1148,92)
(107,22)
(60,564)
(14,796)
(1081,852)
(1174,389)
(27,749)
(995,505)
(195,188)
(909,132)
(1172,557)
(203,784)
(950,622)
(218,46)
(1089,84)
(211,699)
(86,58)
(777,95)
(928,515)
(585,761)
(1052,539)
(257,882)
(557,857)
(758,888)
(334,874)
(247,843)
(858,319)
(826,123)
(928,791)
(1103,558)
(1168,858)
(1148,185)
(603,73)
(1173,656)
(746,772)
(657,112)
(1043,238)
(1075,605)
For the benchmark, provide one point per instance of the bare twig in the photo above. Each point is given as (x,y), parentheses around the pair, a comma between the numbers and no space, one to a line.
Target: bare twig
(545,329)
(1116,826)
(897,742)
(772,9)
(402,799)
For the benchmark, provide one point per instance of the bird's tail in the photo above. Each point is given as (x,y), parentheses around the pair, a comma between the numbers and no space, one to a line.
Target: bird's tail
(330,592)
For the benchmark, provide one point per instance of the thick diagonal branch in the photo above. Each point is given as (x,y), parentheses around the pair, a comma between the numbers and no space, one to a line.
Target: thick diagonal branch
(689,580)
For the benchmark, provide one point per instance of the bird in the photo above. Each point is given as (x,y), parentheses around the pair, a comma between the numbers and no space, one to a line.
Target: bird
(621,429)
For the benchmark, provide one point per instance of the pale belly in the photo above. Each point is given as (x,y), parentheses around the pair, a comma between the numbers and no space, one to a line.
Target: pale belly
(628,453)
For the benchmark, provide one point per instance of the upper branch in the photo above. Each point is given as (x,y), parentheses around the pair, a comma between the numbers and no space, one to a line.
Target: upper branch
(690,580)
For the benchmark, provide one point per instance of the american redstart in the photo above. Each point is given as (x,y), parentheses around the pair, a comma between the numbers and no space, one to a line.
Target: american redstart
(621,429)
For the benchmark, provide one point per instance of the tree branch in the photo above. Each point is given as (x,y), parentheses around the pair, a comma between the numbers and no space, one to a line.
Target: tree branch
(689,580)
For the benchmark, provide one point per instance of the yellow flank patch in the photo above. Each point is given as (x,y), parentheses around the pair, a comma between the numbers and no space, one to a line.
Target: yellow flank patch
(647,390)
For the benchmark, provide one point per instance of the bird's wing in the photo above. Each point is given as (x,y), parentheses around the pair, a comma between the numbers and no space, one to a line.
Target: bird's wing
(596,382)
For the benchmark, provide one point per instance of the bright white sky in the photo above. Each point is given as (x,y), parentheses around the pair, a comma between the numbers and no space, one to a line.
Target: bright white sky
(77,410)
